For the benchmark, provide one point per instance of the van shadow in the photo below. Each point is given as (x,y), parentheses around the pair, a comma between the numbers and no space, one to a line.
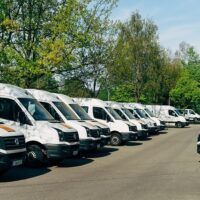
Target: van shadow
(22,173)
(134,143)
(145,139)
(163,132)
(105,151)
(75,162)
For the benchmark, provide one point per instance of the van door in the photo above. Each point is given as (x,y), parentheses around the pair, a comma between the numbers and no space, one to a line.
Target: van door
(172,116)
(101,115)
(11,112)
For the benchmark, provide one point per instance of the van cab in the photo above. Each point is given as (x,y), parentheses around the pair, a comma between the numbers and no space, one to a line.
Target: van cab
(169,115)
(89,135)
(46,139)
(121,131)
(140,114)
(149,115)
(12,147)
(82,115)
(190,115)
(125,114)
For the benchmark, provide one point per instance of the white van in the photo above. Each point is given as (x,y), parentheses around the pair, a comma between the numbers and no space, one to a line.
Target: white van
(46,139)
(89,135)
(190,115)
(168,114)
(121,131)
(160,124)
(82,115)
(141,114)
(12,147)
(141,130)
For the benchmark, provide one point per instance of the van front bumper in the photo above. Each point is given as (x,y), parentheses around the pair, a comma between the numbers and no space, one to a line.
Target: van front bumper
(152,130)
(130,136)
(61,151)
(11,160)
(5,163)
(187,123)
(89,144)
(142,134)
(161,127)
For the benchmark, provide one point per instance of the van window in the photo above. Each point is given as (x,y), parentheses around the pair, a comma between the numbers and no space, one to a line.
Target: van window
(172,113)
(119,112)
(80,112)
(85,108)
(69,115)
(128,113)
(10,110)
(113,113)
(52,111)
(191,112)
(100,113)
(134,114)
(36,110)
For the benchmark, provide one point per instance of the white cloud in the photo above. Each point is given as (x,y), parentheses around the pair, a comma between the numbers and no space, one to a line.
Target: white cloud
(173,36)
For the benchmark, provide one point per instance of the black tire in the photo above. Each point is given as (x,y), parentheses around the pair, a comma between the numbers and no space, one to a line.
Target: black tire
(115,140)
(179,125)
(35,156)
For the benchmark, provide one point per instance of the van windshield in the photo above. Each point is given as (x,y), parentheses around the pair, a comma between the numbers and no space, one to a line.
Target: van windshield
(128,113)
(69,115)
(113,113)
(177,112)
(192,112)
(149,112)
(121,114)
(141,113)
(37,111)
(80,112)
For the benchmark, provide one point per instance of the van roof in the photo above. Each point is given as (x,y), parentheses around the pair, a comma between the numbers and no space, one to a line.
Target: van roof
(8,90)
(66,99)
(91,101)
(137,105)
(42,95)
(114,104)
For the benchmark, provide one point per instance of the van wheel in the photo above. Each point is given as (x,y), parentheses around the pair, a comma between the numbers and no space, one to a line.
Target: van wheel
(179,125)
(115,140)
(35,156)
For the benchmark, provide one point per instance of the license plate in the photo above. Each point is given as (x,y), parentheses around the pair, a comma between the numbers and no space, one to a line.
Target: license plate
(75,153)
(17,162)
(98,146)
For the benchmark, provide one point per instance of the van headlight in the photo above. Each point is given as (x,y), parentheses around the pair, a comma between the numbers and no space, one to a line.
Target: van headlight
(60,135)
(88,132)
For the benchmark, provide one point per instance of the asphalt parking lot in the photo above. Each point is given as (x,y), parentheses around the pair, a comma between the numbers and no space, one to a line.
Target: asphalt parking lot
(164,167)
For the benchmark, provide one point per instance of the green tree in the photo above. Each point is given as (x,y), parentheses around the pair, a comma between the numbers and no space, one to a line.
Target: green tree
(186,94)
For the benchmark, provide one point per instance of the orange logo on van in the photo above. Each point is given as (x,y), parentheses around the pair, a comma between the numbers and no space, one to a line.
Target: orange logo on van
(66,126)
(6,128)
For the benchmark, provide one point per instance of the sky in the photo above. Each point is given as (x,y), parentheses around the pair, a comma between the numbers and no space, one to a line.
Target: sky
(177,20)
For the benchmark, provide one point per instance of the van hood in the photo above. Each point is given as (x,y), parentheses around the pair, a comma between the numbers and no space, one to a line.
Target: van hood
(8,130)
(61,126)
(96,123)
(83,124)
